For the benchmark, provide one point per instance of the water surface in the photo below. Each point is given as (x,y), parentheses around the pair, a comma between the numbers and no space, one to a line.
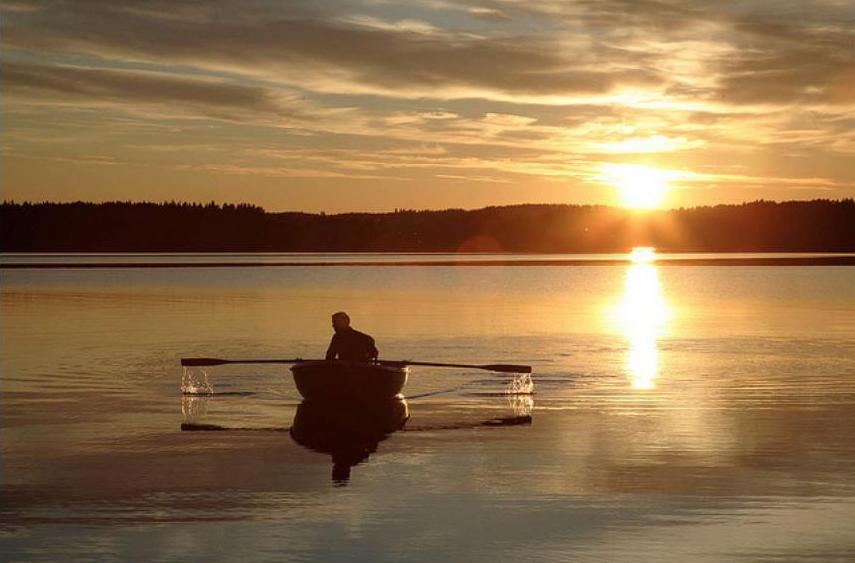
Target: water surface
(698,413)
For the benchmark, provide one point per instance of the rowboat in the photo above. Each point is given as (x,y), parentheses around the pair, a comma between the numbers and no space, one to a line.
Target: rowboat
(337,381)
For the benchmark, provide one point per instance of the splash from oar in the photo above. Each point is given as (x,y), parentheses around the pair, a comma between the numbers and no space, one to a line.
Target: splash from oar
(194,381)
(521,384)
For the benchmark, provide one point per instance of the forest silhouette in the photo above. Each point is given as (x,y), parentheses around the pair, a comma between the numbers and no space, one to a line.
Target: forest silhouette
(760,226)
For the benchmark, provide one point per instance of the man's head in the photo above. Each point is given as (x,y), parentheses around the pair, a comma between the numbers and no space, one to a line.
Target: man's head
(340,321)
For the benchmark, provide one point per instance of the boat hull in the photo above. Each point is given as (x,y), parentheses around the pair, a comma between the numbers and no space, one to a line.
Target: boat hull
(348,381)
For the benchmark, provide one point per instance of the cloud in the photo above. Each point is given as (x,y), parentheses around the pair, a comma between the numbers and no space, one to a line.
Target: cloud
(527,91)
(487,13)
(796,52)
(77,85)
(789,63)
(288,46)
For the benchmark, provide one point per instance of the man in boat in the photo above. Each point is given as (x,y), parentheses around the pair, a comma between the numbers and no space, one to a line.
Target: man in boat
(350,344)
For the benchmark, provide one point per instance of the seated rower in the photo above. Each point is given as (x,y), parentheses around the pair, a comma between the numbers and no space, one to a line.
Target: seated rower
(350,344)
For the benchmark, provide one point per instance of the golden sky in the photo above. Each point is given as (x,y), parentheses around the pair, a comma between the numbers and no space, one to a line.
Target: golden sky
(377,104)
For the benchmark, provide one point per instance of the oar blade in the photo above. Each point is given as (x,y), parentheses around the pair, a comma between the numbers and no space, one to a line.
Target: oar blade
(507,368)
(202,362)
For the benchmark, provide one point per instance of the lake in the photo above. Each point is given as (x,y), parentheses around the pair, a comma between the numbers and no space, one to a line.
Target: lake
(682,411)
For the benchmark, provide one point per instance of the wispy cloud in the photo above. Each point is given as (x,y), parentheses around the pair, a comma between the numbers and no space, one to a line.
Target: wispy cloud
(81,85)
(363,53)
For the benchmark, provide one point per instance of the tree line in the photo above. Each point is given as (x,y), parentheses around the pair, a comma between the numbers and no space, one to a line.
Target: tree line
(761,226)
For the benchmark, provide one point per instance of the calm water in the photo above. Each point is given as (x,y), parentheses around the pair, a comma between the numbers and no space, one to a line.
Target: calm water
(696,413)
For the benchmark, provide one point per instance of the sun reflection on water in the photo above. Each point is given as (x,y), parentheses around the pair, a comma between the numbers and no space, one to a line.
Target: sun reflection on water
(642,315)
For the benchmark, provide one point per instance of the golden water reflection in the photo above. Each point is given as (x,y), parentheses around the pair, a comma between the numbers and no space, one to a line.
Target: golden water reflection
(642,316)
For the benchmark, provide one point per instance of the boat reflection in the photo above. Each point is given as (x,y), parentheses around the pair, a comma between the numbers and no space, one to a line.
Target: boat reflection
(642,316)
(349,432)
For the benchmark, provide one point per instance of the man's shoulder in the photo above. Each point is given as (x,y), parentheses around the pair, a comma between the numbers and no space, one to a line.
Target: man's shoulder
(362,335)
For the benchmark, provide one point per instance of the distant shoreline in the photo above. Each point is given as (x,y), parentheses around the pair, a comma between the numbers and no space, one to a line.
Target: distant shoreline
(843,260)
(760,226)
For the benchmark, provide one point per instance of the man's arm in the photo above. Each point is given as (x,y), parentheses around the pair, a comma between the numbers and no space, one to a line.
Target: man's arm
(372,349)
(332,350)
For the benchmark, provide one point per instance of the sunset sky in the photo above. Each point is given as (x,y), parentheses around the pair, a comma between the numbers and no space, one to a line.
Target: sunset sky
(379,104)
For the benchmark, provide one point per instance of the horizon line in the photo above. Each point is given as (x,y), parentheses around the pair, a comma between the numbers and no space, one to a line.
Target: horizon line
(394,210)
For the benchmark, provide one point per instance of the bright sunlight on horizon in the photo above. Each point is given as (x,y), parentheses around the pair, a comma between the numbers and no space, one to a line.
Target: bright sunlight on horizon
(639,187)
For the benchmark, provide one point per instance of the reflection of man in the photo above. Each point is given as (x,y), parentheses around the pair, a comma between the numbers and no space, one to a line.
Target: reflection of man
(348,343)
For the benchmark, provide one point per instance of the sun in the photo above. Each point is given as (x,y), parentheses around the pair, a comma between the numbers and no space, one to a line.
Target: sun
(639,187)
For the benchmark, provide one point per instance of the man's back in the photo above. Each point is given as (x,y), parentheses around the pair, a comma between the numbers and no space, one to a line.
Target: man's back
(352,345)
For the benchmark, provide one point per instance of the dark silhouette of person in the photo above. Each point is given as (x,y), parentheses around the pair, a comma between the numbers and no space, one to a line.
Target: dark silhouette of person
(350,344)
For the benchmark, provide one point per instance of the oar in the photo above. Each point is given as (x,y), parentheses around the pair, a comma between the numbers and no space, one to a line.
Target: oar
(204,362)
(507,368)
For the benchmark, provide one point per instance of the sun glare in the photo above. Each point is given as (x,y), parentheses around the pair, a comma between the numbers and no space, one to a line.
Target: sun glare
(642,315)
(642,255)
(639,187)
(644,312)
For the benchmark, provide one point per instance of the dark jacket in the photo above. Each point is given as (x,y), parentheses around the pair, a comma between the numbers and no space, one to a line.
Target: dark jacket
(352,345)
